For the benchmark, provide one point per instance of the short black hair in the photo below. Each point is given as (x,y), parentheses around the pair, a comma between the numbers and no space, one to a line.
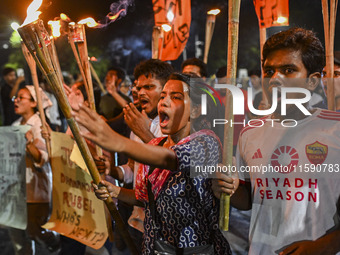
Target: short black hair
(256,72)
(196,62)
(298,39)
(120,72)
(221,72)
(158,69)
(7,70)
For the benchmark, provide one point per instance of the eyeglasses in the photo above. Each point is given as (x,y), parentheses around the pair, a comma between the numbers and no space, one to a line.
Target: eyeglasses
(20,98)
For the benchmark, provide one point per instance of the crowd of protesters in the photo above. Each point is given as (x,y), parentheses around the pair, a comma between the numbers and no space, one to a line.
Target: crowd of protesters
(155,127)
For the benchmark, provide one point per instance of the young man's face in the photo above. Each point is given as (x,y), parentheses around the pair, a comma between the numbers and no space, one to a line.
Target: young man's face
(336,81)
(192,69)
(149,91)
(111,77)
(284,68)
(10,78)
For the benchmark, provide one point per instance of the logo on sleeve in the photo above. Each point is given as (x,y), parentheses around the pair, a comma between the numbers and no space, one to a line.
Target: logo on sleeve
(316,152)
(257,154)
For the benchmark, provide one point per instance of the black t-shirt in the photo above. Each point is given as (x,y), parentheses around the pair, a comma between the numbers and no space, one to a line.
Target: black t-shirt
(9,115)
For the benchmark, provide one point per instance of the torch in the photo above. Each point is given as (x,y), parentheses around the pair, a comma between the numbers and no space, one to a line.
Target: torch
(233,24)
(36,39)
(55,28)
(209,31)
(33,68)
(158,34)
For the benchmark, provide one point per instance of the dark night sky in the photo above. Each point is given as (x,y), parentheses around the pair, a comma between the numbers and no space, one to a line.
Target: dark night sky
(138,22)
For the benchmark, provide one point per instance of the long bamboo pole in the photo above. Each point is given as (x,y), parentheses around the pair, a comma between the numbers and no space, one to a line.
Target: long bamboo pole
(263,37)
(156,33)
(233,27)
(209,31)
(95,76)
(33,40)
(329,19)
(33,68)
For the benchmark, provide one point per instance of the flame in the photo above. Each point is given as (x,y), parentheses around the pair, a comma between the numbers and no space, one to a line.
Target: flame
(170,16)
(32,12)
(15,26)
(166,27)
(90,22)
(114,17)
(64,17)
(214,12)
(282,20)
(55,27)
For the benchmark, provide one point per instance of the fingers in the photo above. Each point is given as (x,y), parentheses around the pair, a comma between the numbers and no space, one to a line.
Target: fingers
(290,250)
(101,193)
(67,89)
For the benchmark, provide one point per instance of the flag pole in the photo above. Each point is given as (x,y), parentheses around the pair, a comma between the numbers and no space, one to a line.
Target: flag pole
(233,29)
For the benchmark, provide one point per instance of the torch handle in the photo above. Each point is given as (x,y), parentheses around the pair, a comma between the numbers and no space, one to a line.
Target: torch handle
(233,28)
(33,68)
(95,76)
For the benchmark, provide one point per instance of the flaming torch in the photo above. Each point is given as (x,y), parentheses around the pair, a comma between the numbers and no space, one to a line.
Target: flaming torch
(55,28)
(209,31)
(36,39)
(76,36)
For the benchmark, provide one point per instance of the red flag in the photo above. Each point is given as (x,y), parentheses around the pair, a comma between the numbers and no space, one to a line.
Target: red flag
(177,14)
(272,12)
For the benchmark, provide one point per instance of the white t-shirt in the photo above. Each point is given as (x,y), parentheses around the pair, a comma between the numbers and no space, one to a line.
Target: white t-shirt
(296,205)
(38,175)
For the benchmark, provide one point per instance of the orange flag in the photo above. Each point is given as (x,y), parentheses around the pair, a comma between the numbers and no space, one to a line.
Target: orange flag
(177,14)
(272,12)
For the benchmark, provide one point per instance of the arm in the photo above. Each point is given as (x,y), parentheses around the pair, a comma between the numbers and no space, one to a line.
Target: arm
(100,133)
(327,244)
(32,149)
(15,88)
(112,90)
(138,122)
(125,195)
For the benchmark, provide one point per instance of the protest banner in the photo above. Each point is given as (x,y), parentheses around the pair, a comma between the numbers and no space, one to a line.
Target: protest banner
(76,212)
(176,14)
(13,209)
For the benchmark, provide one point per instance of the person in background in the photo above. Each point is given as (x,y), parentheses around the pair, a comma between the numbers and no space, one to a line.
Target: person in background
(9,88)
(336,81)
(196,66)
(38,178)
(112,103)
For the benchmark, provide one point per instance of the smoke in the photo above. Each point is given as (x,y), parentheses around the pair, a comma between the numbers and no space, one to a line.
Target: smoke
(120,5)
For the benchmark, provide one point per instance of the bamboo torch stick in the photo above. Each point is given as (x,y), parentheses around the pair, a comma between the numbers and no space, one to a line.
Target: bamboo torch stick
(84,58)
(32,66)
(95,76)
(32,37)
(156,34)
(209,31)
(329,31)
(73,36)
(233,25)
(263,37)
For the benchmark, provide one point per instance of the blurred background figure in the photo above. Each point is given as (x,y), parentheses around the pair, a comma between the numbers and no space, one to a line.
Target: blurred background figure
(10,85)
